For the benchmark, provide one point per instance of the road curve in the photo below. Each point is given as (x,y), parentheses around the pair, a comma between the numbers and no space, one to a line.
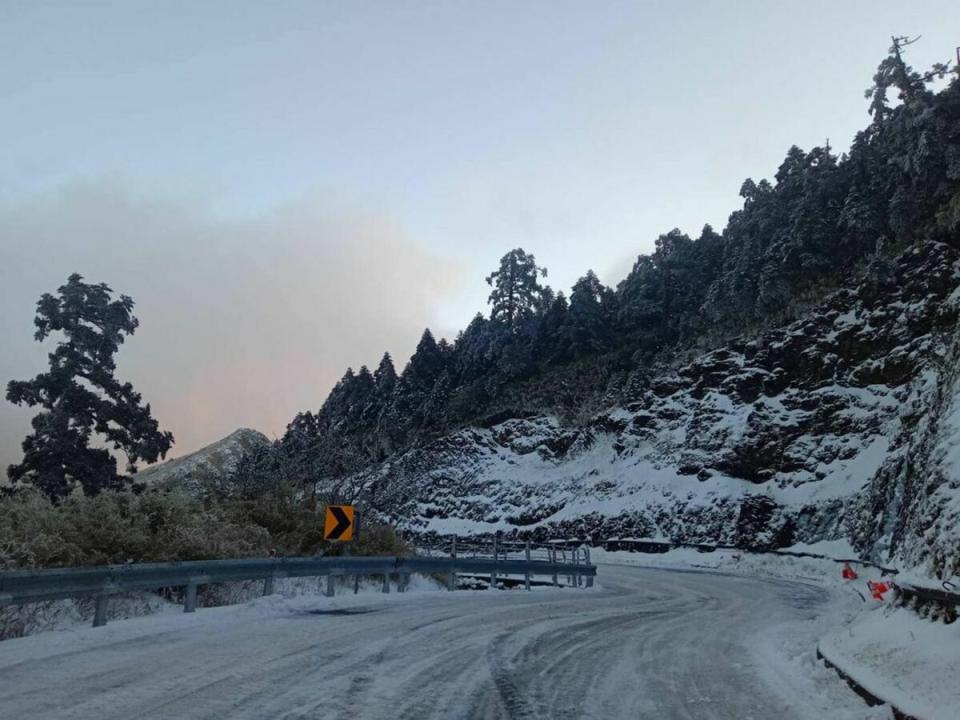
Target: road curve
(645,644)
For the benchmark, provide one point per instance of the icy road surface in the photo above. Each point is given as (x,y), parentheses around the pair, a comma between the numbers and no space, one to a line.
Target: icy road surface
(646,644)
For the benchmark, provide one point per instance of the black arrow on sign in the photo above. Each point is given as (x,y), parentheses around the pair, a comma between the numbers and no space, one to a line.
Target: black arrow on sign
(343,522)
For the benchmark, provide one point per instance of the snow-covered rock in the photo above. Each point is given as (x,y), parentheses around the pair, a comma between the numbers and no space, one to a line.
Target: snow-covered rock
(843,424)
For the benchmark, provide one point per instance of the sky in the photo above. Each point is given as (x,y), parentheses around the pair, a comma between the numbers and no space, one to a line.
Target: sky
(289,188)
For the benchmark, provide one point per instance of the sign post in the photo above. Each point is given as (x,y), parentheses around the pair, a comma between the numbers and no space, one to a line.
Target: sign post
(338,523)
(356,534)
(338,526)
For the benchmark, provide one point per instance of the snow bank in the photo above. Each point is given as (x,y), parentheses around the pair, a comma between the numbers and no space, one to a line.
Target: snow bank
(291,594)
(20,621)
(825,572)
(901,658)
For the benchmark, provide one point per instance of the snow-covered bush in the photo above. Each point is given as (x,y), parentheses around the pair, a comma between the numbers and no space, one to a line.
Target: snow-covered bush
(380,540)
(158,526)
(121,526)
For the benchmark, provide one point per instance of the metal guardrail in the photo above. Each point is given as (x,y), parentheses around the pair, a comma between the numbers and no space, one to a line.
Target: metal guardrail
(662,546)
(19,587)
(947,601)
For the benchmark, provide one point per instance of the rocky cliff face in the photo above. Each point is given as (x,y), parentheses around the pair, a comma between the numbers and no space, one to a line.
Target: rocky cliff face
(845,423)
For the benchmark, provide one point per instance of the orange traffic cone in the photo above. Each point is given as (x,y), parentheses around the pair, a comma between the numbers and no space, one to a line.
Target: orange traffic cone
(877,589)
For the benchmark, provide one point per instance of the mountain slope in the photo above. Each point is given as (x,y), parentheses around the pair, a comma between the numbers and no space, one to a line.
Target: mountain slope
(210,463)
(575,415)
(802,434)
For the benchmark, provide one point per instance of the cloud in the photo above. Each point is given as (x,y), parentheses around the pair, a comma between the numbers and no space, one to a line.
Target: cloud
(241,323)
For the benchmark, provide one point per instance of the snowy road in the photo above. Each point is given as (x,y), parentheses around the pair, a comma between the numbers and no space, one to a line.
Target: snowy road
(646,644)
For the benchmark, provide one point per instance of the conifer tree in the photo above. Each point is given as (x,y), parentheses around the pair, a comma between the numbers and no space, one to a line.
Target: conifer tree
(364,385)
(425,365)
(552,344)
(82,399)
(474,350)
(586,325)
(385,376)
(516,289)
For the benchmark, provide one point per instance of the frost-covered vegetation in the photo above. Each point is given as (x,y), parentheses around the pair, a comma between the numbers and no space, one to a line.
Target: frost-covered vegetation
(119,526)
(85,411)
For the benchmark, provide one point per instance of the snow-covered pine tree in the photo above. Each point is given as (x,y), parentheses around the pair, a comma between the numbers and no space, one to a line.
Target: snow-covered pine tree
(516,289)
(81,398)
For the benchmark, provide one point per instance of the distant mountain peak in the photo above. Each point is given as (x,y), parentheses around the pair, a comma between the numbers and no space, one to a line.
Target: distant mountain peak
(213,461)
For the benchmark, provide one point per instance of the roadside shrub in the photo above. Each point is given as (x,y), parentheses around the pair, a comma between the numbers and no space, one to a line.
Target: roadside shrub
(31,533)
(293,527)
(157,525)
(119,527)
(379,540)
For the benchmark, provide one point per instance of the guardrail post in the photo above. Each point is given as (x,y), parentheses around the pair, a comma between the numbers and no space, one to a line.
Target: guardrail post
(493,573)
(452,577)
(100,611)
(268,585)
(404,581)
(552,554)
(526,577)
(589,577)
(576,561)
(190,599)
(330,589)
(356,583)
(385,589)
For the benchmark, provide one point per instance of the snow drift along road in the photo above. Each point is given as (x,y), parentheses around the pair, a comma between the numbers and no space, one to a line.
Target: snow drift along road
(647,644)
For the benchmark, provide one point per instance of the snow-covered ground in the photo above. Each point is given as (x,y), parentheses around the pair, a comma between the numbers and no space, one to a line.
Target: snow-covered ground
(72,614)
(824,572)
(643,643)
(893,653)
(907,660)
(17,621)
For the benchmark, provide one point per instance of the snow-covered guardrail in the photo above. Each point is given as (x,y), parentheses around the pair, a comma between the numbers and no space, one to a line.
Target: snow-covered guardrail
(19,587)
(662,546)
(945,602)
(562,553)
